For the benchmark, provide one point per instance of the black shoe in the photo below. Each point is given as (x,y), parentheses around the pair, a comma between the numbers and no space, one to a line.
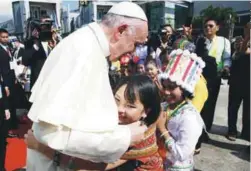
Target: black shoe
(231,137)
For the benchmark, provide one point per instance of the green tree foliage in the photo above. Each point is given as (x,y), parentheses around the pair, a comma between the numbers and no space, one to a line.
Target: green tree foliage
(222,14)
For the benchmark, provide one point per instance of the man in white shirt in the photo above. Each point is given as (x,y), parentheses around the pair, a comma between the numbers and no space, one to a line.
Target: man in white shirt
(218,53)
(73,109)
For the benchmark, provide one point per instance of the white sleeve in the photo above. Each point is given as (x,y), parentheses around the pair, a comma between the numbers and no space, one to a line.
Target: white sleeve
(107,146)
(104,147)
(189,133)
(227,53)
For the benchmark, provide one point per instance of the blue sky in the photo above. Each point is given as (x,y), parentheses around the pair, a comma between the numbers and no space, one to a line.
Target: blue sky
(72,4)
(6,9)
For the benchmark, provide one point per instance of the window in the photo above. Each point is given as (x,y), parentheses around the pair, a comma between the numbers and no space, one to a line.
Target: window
(35,12)
(43,13)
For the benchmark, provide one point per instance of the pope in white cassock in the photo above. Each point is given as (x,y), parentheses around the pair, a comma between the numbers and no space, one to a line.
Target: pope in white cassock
(73,109)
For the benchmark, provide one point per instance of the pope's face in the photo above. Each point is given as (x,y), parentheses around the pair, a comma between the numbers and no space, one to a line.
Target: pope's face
(126,39)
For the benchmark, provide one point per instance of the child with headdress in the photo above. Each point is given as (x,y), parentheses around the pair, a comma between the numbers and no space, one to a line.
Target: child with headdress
(180,124)
(200,90)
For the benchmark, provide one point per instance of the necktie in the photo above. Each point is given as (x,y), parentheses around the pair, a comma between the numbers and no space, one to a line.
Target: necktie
(8,51)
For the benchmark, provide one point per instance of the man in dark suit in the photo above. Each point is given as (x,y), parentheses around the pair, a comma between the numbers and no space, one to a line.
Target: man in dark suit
(8,77)
(37,48)
(4,117)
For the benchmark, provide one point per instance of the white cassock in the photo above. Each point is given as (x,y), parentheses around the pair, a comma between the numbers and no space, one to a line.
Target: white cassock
(73,109)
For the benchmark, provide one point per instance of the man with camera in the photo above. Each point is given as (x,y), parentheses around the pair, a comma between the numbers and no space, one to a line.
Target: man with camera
(37,48)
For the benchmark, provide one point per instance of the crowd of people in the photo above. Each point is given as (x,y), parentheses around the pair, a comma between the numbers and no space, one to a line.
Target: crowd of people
(111,97)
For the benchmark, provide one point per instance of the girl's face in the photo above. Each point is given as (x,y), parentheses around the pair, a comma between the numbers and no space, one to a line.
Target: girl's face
(173,93)
(128,112)
(141,68)
(152,70)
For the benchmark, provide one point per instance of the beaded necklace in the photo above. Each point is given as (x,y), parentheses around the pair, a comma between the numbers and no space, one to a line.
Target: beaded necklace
(171,113)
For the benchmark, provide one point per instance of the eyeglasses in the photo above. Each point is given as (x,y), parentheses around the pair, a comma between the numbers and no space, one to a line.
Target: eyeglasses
(209,25)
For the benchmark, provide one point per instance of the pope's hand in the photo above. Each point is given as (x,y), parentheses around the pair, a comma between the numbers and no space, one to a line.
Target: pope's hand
(31,141)
(137,132)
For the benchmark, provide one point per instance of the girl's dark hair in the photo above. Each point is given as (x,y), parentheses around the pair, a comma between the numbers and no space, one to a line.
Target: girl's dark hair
(185,94)
(114,78)
(152,61)
(143,87)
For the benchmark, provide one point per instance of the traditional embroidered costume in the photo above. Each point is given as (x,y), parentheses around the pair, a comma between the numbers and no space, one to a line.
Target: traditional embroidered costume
(184,122)
(143,156)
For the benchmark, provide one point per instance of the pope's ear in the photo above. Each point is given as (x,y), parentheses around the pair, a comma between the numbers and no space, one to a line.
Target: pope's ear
(120,30)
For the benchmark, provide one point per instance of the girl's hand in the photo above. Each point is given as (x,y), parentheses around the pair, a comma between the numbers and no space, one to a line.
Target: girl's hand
(31,141)
(161,123)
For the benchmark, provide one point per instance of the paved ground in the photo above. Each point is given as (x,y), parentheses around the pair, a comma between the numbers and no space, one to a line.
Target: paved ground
(220,154)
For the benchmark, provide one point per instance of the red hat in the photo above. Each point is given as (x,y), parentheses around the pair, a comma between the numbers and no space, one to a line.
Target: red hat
(124,60)
(135,59)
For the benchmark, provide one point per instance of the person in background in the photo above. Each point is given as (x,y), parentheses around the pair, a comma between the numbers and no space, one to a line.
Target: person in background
(4,119)
(239,87)
(152,70)
(218,63)
(166,33)
(9,79)
(187,30)
(245,73)
(127,66)
(166,38)
(141,67)
(37,52)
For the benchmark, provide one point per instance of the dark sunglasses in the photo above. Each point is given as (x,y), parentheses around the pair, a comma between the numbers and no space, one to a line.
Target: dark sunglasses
(209,25)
